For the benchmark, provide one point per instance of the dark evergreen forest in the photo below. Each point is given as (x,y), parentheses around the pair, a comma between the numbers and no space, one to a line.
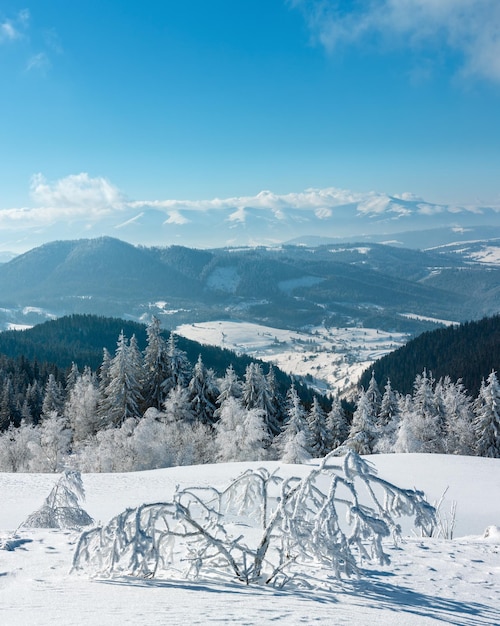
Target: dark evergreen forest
(28,357)
(468,352)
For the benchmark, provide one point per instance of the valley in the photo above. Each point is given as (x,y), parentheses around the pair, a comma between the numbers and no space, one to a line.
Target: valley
(330,360)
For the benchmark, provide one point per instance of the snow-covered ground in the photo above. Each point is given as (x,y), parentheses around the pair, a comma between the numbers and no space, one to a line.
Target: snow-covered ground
(430,581)
(333,357)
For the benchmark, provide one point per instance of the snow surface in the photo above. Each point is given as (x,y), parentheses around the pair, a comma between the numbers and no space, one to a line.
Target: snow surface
(430,581)
(334,357)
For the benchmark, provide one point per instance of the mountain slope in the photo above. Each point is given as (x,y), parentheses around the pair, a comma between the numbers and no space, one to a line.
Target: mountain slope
(291,287)
(101,268)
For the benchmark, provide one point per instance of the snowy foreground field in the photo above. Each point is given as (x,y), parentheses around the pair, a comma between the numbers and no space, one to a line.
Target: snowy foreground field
(429,581)
(334,357)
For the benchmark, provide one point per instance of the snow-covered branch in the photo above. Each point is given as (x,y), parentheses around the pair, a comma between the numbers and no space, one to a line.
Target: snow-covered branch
(262,528)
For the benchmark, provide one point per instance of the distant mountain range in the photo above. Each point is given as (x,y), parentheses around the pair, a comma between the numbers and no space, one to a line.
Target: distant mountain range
(380,286)
(266,218)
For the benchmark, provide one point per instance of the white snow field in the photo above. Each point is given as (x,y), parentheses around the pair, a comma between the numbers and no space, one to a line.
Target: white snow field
(334,357)
(430,581)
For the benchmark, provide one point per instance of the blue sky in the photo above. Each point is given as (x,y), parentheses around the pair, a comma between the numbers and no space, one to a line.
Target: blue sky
(105,102)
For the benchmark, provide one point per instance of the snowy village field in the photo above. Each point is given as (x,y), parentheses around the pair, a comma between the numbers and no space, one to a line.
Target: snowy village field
(430,580)
(330,358)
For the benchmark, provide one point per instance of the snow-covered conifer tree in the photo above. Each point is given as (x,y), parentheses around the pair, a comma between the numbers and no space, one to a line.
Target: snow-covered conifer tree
(180,369)
(487,422)
(53,399)
(320,436)
(122,394)
(293,444)
(257,395)
(458,416)
(407,437)
(81,406)
(156,366)
(337,425)
(203,393)
(373,396)
(229,386)
(362,434)
(72,376)
(387,421)
(428,416)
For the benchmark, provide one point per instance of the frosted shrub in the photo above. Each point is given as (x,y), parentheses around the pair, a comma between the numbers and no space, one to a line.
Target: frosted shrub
(61,508)
(262,528)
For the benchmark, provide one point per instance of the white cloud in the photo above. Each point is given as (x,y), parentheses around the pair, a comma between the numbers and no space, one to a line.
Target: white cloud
(469,27)
(38,62)
(77,192)
(12,29)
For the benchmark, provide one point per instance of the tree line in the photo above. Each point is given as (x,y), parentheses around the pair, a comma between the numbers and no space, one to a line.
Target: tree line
(154,408)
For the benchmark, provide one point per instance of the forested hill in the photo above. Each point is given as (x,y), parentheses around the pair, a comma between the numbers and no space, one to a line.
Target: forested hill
(469,352)
(80,339)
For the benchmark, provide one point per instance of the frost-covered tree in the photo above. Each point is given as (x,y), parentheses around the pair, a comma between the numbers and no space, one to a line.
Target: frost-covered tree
(229,386)
(254,385)
(293,444)
(203,393)
(240,433)
(362,434)
(81,407)
(458,416)
(487,422)
(388,421)
(337,425)
(320,436)
(53,399)
(422,427)
(373,396)
(72,377)
(177,406)
(180,368)
(62,507)
(18,446)
(104,371)
(257,394)
(407,436)
(122,394)
(156,366)
(54,443)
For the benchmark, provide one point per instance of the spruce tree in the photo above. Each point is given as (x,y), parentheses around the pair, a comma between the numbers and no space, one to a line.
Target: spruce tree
(156,367)
(487,422)
(316,421)
(122,394)
(337,425)
(293,444)
(203,393)
(362,433)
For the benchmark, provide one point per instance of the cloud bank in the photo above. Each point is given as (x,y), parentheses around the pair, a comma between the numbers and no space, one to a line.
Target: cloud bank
(80,205)
(470,28)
